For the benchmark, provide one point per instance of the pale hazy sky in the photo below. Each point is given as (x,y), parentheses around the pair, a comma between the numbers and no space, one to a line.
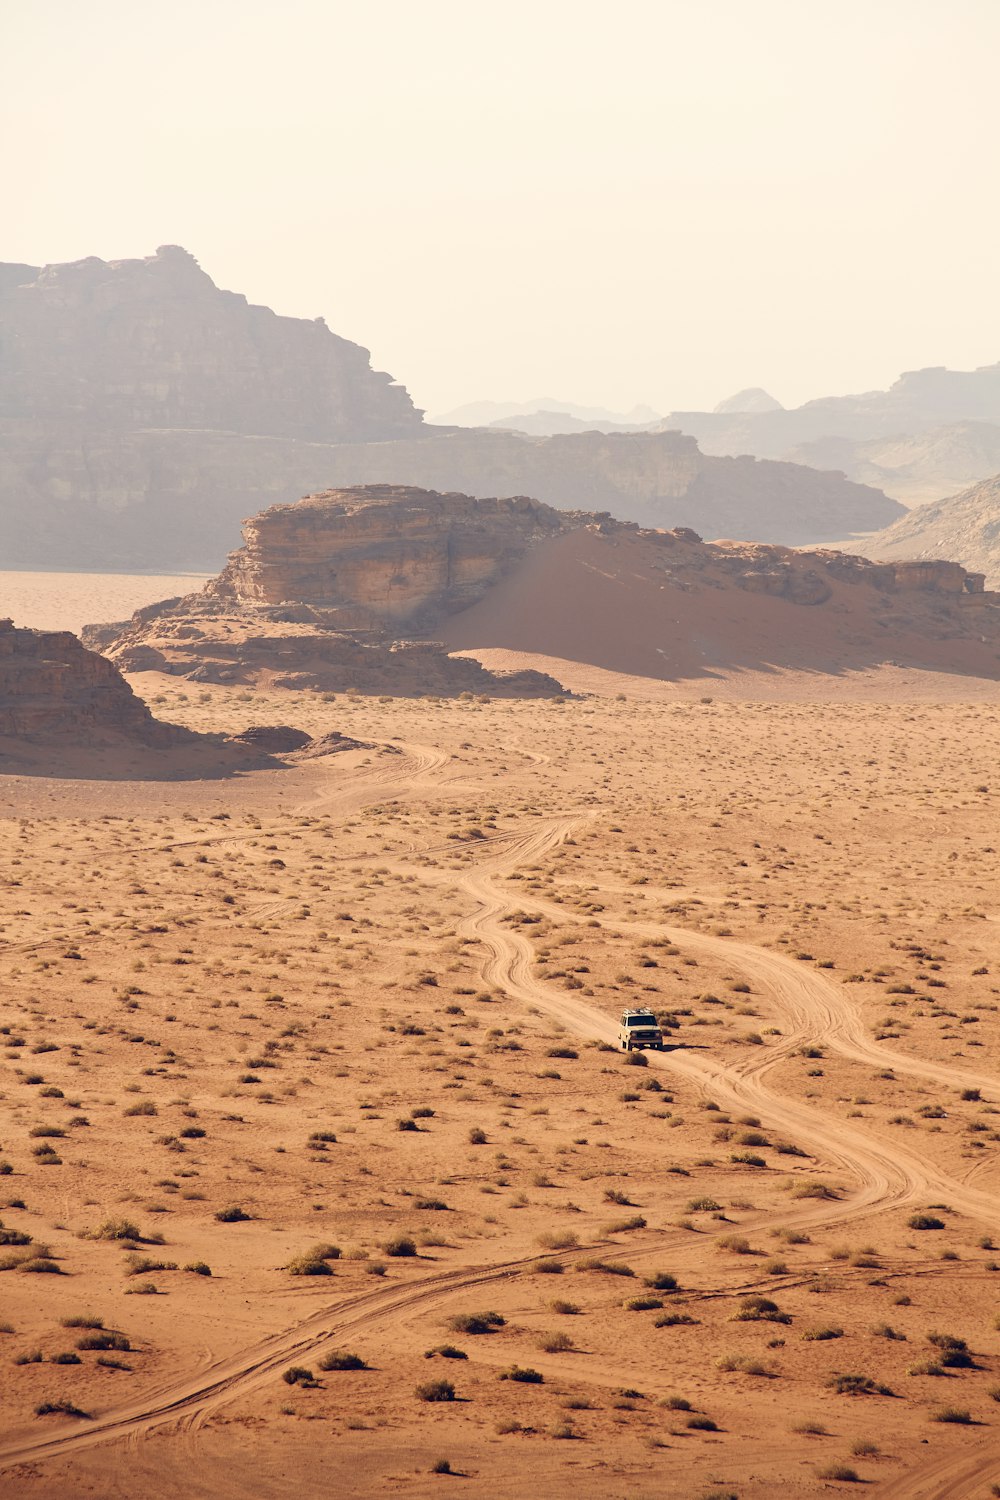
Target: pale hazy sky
(606,202)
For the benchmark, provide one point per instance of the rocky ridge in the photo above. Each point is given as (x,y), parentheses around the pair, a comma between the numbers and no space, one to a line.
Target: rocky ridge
(144,412)
(966,526)
(321,591)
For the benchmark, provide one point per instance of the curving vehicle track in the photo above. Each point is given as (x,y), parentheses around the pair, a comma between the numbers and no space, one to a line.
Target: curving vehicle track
(811,1009)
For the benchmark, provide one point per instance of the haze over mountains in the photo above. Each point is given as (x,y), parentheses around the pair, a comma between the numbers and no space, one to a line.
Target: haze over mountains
(932,433)
(144,413)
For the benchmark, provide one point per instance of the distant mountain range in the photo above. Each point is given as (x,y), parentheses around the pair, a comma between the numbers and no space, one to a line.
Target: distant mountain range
(144,412)
(932,433)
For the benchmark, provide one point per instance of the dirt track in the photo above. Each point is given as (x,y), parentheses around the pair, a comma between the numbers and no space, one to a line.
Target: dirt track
(809,1008)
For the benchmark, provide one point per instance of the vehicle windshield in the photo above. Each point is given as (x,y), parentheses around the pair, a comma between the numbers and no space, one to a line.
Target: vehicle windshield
(640,1020)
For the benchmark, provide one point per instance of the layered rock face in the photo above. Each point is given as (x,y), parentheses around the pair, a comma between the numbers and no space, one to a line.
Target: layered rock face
(140,407)
(657,479)
(131,344)
(144,412)
(321,591)
(54,690)
(381,556)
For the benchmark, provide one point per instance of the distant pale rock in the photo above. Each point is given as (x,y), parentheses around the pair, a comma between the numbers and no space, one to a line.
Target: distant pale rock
(753,399)
(965,527)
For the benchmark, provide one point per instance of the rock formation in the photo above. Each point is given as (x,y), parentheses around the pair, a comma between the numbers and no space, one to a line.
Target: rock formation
(53,690)
(657,479)
(966,527)
(130,344)
(320,592)
(144,412)
(381,557)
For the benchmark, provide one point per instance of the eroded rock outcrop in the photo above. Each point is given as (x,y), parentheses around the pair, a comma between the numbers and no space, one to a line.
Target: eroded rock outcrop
(322,592)
(381,556)
(54,690)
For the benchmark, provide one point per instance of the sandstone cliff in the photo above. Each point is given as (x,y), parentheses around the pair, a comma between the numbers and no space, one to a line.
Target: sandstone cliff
(52,690)
(657,479)
(320,591)
(130,344)
(144,412)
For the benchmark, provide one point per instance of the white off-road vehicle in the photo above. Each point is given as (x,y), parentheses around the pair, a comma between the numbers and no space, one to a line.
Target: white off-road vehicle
(640,1029)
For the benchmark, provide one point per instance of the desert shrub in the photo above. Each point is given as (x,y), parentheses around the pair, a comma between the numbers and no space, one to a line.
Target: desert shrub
(446,1351)
(144,1107)
(106,1339)
(621,1226)
(561,1239)
(673,1320)
(742,1364)
(555,1343)
(59,1409)
(69,1358)
(661,1281)
(959,1414)
(116,1229)
(701,1424)
(476,1322)
(560,1305)
(298,1375)
(550,1267)
(342,1361)
(431,1205)
(435,1390)
(924,1221)
(820,1335)
(842,1472)
(232,1215)
(442,1466)
(703,1206)
(642,1304)
(737,1243)
(523,1375)
(856,1385)
(305,1265)
(814,1190)
(142,1265)
(759,1310)
(477,1136)
(400,1245)
(608,1267)
(199,1268)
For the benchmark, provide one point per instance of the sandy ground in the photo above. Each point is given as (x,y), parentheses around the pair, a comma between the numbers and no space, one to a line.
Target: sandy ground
(68,601)
(370,1002)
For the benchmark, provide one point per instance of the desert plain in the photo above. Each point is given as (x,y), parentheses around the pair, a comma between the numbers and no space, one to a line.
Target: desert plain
(325,1174)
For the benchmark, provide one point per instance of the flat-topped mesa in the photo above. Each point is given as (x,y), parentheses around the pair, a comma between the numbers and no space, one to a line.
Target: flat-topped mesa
(381,557)
(53,690)
(136,344)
